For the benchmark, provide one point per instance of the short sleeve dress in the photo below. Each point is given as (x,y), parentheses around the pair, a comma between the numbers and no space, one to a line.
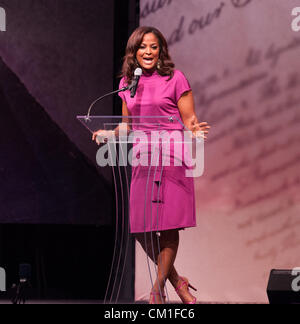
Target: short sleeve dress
(161,197)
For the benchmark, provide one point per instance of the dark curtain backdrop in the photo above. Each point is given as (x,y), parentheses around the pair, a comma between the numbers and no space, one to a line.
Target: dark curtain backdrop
(56,57)
(56,206)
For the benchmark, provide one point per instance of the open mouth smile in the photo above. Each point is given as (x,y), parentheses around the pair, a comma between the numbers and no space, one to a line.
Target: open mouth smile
(148,60)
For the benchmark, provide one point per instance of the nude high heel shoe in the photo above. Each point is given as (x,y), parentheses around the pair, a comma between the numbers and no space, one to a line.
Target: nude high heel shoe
(183,289)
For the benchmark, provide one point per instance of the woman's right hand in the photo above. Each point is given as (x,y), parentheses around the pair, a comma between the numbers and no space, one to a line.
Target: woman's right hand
(102,136)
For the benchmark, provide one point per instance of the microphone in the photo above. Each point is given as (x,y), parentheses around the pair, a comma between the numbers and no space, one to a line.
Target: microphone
(133,87)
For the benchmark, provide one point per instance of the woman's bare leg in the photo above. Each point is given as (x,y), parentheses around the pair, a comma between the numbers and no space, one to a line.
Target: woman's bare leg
(164,257)
(174,277)
(169,241)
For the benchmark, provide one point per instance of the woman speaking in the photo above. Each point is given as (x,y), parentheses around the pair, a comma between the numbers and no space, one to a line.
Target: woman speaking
(162,201)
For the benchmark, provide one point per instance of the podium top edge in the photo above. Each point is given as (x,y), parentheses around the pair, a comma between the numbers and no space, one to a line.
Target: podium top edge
(137,117)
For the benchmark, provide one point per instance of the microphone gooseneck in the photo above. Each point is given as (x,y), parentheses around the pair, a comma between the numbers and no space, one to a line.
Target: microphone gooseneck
(87,117)
(132,87)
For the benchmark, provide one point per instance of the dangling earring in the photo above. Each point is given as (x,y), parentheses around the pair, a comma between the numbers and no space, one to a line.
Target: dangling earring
(158,65)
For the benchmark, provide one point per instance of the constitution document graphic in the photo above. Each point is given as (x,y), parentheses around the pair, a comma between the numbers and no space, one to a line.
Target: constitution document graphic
(242,60)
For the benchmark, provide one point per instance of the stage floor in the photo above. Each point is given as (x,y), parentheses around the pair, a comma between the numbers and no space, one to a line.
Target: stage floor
(100,302)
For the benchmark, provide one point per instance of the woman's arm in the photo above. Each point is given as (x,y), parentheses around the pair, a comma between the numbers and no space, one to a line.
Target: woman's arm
(186,107)
(125,112)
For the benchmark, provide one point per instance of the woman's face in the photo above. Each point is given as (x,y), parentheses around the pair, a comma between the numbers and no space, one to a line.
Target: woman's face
(148,52)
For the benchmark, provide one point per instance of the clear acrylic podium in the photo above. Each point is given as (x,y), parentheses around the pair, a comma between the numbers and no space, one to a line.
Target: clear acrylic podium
(151,145)
(150,133)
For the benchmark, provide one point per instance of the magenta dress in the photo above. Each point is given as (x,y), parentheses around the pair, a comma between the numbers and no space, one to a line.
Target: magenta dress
(161,197)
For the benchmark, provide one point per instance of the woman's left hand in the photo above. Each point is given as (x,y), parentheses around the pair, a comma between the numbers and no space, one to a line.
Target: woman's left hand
(189,118)
(199,129)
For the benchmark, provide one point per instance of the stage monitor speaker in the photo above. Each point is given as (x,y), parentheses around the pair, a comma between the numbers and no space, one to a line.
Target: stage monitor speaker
(284,287)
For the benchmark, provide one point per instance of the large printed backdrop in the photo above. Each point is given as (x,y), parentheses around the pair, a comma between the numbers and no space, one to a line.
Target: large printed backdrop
(242,60)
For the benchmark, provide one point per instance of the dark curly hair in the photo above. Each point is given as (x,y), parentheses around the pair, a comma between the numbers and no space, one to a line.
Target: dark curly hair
(129,61)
